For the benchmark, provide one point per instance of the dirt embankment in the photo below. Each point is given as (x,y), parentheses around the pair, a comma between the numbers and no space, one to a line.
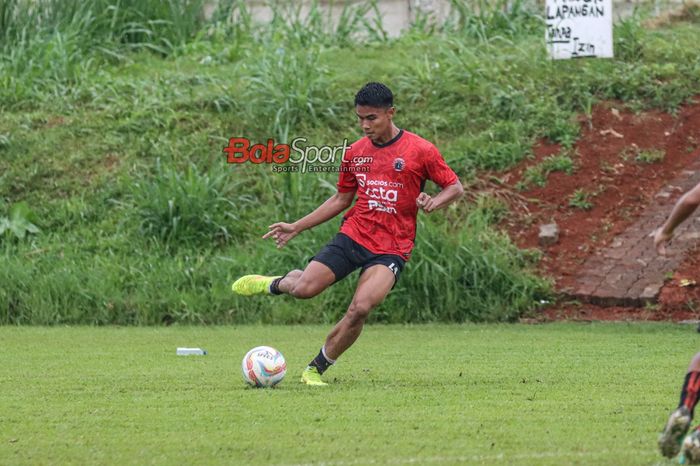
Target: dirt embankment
(622,161)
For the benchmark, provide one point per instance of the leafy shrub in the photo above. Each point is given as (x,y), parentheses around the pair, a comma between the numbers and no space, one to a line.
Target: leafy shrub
(20,222)
(188,206)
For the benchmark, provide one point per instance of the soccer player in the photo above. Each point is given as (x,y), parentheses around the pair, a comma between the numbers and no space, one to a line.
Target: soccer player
(679,421)
(386,171)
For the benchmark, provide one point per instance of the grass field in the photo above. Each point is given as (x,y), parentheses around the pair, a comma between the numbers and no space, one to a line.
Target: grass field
(435,394)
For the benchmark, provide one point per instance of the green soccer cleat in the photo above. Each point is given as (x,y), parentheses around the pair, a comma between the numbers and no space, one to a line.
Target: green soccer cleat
(310,376)
(676,428)
(691,449)
(249,285)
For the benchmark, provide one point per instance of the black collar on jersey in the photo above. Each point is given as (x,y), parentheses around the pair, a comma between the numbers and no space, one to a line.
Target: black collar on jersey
(388,143)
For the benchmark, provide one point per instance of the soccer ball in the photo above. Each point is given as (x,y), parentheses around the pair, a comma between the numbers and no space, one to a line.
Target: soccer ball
(263,366)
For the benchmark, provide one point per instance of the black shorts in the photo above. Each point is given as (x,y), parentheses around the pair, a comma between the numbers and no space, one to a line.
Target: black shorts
(343,255)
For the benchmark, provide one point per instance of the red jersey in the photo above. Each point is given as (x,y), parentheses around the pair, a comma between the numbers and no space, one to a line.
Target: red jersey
(388,178)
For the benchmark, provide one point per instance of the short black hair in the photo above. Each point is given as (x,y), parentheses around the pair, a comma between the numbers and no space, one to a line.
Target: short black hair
(375,95)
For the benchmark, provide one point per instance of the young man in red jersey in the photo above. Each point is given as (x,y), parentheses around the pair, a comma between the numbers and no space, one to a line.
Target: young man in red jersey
(386,170)
(672,438)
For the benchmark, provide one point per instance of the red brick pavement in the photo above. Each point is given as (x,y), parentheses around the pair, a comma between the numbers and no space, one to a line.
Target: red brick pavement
(628,272)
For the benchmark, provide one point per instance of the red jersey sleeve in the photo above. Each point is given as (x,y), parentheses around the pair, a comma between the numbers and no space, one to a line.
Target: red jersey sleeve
(346,178)
(437,169)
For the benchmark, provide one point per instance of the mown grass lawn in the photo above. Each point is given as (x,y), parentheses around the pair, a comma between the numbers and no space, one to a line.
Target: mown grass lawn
(435,394)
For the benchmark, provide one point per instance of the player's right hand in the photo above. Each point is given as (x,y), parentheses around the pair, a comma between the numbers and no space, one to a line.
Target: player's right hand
(660,240)
(281,232)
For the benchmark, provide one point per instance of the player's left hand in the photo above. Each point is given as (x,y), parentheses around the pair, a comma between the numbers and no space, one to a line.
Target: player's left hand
(425,202)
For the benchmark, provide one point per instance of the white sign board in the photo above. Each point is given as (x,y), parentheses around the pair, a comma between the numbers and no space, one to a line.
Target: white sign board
(579,28)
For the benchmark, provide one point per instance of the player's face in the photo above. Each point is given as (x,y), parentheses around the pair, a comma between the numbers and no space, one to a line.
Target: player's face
(375,122)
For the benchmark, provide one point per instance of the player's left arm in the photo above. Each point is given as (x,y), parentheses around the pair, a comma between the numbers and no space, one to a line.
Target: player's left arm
(447,196)
(437,170)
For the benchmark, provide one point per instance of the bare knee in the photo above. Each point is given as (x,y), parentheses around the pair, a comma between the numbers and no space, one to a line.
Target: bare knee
(304,290)
(358,312)
(294,287)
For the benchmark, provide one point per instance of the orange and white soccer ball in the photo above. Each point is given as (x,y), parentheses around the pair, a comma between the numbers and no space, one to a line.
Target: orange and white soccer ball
(264,366)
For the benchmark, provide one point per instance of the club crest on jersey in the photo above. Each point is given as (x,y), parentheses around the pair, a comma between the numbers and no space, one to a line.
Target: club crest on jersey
(399,164)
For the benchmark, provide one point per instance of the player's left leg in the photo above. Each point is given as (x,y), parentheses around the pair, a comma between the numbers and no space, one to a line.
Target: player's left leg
(374,284)
(679,421)
(331,264)
(249,285)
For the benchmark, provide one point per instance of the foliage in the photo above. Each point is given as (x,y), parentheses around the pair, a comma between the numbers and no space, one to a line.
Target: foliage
(537,174)
(114,114)
(186,206)
(19,223)
(650,156)
(639,155)
(580,199)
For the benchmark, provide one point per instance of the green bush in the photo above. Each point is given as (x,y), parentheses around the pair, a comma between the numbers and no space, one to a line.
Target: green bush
(186,207)
(474,274)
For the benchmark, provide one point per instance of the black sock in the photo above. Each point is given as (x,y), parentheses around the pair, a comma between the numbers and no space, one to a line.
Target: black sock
(275,285)
(321,362)
(689,393)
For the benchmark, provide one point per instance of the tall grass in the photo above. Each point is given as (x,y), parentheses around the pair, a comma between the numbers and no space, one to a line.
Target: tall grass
(318,27)
(186,206)
(156,25)
(487,19)
(473,274)
(287,87)
(48,44)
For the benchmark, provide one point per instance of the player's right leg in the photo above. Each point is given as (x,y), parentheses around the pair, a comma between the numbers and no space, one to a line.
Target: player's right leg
(374,284)
(679,421)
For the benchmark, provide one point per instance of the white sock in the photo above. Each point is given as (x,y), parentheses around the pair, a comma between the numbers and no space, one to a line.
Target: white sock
(323,350)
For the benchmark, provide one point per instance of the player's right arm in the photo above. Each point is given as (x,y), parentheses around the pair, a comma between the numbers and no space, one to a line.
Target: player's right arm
(283,232)
(685,206)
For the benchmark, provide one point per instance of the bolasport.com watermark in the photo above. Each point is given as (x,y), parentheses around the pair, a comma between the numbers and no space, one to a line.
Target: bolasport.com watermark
(296,157)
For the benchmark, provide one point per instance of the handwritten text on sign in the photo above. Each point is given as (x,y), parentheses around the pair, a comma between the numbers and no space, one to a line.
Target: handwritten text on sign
(579,28)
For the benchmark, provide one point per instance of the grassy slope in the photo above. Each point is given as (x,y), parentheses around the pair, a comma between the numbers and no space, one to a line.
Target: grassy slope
(85,161)
(475,394)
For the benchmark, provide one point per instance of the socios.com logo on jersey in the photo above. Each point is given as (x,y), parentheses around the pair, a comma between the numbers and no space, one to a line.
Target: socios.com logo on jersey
(381,197)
